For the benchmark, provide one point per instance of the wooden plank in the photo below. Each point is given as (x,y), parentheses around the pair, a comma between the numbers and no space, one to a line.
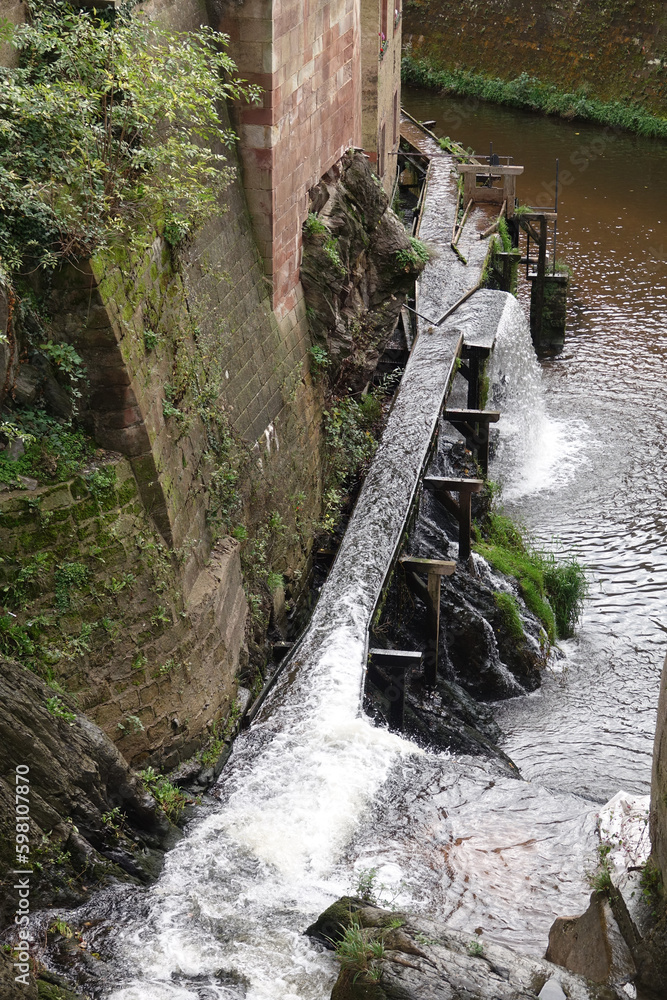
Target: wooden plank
(440,483)
(409,657)
(433,627)
(472,416)
(486,169)
(550,216)
(463,222)
(442,567)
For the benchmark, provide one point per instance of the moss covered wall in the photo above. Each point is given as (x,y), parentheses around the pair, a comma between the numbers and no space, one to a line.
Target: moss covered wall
(206,395)
(615,49)
(102,604)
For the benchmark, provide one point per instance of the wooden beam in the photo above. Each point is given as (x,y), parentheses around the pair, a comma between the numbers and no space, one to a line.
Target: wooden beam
(484,416)
(550,216)
(474,425)
(440,483)
(465,488)
(537,289)
(487,168)
(441,567)
(386,670)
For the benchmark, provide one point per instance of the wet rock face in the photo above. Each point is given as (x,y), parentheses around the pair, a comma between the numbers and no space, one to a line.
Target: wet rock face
(352,271)
(91,819)
(403,957)
(486,659)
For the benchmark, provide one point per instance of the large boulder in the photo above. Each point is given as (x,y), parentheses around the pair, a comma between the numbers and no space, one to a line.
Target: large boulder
(91,818)
(356,268)
(400,956)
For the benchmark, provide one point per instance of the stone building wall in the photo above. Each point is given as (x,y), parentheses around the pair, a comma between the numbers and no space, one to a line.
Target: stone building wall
(616,49)
(306,58)
(205,391)
(105,610)
(381,84)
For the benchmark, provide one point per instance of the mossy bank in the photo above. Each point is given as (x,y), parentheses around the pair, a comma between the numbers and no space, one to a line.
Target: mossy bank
(602,61)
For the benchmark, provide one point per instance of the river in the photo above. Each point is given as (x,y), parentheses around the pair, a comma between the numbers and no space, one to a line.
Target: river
(315,795)
(596,484)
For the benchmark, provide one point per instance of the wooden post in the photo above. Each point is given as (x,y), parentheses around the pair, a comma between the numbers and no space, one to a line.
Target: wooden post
(433,625)
(386,670)
(465,488)
(474,425)
(435,569)
(474,366)
(538,284)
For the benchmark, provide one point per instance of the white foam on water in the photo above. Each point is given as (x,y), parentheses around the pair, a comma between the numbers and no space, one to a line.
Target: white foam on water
(535,451)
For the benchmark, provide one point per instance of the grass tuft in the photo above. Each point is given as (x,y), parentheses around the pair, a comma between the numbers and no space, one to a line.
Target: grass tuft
(553,591)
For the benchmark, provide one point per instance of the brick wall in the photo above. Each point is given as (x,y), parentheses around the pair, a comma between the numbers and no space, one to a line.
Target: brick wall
(381,84)
(306,57)
(154,671)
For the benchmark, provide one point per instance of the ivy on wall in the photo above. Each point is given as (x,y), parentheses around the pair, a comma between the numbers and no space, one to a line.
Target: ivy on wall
(108,125)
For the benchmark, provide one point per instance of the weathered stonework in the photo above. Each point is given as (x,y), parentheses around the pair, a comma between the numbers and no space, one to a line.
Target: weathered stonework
(153,670)
(358,270)
(616,49)
(306,59)
(381,84)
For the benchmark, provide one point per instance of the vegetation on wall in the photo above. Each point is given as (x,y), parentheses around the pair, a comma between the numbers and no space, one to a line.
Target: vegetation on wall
(531,94)
(96,143)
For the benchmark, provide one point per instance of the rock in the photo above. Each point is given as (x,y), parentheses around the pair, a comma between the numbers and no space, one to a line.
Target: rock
(424,960)
(28,483)
(355,283)
(642,919)
(27,384)
(76,778)
(15,449)
(552,990)
(592,944)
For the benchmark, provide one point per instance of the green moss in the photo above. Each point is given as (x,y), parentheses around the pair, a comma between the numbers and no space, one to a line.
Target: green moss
(553,591)
(532,94)
(509,613)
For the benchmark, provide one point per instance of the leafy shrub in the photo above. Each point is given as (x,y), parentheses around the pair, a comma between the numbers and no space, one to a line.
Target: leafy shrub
(313,225)
(415,257)
(170,799)
(54,449)
(97,143)
(57,708)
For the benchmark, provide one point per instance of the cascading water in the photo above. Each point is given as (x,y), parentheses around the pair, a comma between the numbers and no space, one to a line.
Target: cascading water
(314,792)
(534,450)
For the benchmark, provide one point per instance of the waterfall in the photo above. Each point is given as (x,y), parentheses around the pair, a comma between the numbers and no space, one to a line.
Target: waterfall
(306,792)
(534,451)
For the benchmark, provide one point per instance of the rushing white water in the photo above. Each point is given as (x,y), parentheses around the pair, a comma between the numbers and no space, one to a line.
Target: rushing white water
(313,791)
(239,891)
(535,451)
